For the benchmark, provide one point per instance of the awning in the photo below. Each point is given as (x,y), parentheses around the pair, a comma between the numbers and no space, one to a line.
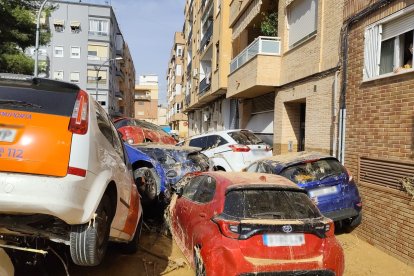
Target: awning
(59,22)
(248,15)
(75,24)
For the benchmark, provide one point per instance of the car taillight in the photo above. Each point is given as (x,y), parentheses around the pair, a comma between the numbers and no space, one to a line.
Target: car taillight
(349,175)
(239,148)
(230,229)
(77,171)
(80,116)
(330,229)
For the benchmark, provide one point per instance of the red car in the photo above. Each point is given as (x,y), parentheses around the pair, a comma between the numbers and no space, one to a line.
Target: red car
(251,224)
(136,131)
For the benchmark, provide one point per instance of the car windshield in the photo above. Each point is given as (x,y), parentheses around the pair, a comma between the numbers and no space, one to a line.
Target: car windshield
(313,171)
(245,137)
(269,204)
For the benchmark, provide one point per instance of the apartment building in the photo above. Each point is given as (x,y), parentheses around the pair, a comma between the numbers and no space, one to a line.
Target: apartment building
(286,78)
(146,98)
(87,48)
(176,118)
(379,143)
(206,66)
(125,93)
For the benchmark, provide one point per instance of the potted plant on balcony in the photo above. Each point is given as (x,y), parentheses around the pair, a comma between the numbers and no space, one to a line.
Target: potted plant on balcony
(269,24)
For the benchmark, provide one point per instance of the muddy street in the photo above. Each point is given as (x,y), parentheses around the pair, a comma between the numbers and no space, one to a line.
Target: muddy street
(159,255)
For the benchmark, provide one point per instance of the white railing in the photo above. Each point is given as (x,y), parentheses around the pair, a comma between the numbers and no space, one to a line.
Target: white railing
(261,45)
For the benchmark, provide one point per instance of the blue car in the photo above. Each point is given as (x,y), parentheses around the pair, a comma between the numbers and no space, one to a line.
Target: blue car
(157,168)
(328,183)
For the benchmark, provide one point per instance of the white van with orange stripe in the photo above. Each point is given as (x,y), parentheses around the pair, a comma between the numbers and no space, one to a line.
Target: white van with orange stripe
(64,174)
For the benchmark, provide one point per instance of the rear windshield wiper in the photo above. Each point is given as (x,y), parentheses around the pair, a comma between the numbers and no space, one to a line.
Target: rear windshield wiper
(19,103)
(327,175)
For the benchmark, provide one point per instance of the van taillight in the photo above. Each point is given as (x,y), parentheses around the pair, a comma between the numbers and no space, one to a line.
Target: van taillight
(239,148)
(77,171)
(230,229)
(80,116)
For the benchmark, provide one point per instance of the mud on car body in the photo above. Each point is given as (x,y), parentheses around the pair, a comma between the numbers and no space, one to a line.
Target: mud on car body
(157,168)
(327,182)
(251,224)
(64,173)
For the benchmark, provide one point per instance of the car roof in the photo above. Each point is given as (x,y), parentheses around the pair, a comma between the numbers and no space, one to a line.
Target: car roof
(18,80)
(220,132)
(246,179)
(291,158)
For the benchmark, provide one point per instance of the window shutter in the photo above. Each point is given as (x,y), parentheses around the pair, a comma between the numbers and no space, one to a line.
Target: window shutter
(372,51)
(398,26)
(302,20)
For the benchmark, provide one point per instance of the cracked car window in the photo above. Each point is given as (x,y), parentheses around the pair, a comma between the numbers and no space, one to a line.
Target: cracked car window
(245,137)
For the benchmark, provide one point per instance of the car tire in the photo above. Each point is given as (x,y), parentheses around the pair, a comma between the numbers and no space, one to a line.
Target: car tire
(150,188)
(133,245)
(88,242)
(200,269)
(349,225)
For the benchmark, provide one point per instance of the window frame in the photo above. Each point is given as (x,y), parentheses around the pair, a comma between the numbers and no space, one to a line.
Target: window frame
(70,77)
(63,51)
(71,52)
(59,71)
(373,42)
(306,36)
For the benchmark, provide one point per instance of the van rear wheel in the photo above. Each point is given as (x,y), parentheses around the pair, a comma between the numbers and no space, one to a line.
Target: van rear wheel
(88,242)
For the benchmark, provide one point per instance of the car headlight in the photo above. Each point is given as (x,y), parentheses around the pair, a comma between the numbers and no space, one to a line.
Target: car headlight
(130,141)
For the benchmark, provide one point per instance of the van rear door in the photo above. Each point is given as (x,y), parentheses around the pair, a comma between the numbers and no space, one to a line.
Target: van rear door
(34,120)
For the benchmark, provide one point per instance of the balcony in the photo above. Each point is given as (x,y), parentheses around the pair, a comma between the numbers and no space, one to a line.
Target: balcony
(206,37)
(119,95)
(120,74)
(188,99)
(204,86)
(190,34)
(262,45)
(256,70)
(189,68)
(142,97)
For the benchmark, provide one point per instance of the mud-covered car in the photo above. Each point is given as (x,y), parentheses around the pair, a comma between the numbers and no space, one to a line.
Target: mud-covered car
(157,168)
(136,131)
(229,223)
(329,184)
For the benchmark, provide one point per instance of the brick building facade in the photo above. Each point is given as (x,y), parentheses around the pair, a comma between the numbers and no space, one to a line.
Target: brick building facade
(380,123)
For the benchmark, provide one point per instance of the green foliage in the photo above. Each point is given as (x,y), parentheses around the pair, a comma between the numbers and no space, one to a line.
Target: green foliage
(269,24)
(17,32)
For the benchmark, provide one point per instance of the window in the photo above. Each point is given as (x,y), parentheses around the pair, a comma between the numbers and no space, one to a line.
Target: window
(302,18)
(98,27)
(102,76)
(75,26)
(59,25)
(217,55)
(58,75)
(97,52)
(179,51)
(199,142)
(388,45)
(58,51)
(206,190)
(215,141)
(74,77)
(178,70)
(75,52)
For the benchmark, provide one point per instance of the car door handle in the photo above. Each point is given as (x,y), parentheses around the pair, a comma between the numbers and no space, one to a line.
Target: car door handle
(203,215)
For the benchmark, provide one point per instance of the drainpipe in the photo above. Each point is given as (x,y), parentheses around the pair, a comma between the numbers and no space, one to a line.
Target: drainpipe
(344,59)
(335,116)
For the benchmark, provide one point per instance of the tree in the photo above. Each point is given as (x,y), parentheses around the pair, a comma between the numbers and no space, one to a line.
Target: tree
(17,32)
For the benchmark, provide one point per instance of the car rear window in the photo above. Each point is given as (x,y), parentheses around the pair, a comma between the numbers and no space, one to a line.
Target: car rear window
(313,171)
(245,137)
(269,204)
(37,100)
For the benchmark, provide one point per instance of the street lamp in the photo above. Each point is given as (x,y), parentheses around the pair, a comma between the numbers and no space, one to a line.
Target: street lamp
(98,69)
(37,37)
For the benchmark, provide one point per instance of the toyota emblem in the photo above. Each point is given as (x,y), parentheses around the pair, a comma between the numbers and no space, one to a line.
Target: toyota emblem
(287,228)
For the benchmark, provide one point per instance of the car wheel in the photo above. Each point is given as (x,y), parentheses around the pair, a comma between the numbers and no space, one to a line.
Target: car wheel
(200,270)
(132,246)
(149,188)
(349,225)
(88,241)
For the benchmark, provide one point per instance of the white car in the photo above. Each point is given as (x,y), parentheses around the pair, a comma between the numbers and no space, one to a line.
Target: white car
(231,150)
(64,174)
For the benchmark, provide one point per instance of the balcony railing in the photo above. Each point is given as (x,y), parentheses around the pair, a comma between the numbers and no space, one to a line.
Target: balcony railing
(204,86)
(261,45)
(207,36)
(142,97)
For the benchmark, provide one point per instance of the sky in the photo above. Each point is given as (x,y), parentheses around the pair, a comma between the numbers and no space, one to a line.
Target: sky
(148,26)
